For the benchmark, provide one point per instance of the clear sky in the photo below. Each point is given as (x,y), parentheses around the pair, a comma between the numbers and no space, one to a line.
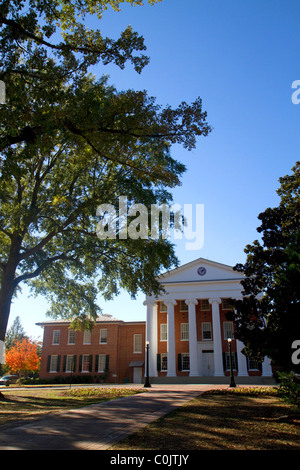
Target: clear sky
(241,58)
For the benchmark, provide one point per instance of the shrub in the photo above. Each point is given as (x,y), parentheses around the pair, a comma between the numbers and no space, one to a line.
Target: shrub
(289,388)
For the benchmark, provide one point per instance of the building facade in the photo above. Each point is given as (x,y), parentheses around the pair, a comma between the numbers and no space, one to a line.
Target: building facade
(113,351)
(188,330)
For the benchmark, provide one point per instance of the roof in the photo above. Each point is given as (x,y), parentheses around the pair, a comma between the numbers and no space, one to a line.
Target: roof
(100,319)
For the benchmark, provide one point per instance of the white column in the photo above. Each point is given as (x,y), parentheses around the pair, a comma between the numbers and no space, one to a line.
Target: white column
(267,368)
(242,360)
(218,359)
(151,335)
(194,366)
(171,338)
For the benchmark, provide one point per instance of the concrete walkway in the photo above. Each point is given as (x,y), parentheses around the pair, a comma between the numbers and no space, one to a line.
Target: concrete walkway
(98,427)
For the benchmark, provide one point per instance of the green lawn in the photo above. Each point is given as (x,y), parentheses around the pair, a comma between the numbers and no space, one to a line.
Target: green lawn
(221,422)
(27,404)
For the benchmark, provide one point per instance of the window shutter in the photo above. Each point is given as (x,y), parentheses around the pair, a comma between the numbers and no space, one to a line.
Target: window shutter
(48,363)
(179,362)
(96,362)
(158,362)
(91,363)
(74,363)
(80,363)
(224,360)
(106,362)
(64,363)
(58,363)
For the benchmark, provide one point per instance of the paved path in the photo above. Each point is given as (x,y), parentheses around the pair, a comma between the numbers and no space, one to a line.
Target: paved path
(98,427)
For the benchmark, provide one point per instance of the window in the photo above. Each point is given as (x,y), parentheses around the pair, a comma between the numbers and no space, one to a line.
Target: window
(206,330)
(184,331)
(164,332)
(164,361)
(226,304)
(71,337)
(183,306)
(163,307)
(85,366)
(101,362)
(227,361)
(53,364)
(70,363)
(103,336)
(228,329)
(56,337)
(252,364)
(204,304)
(137,343)
(185,361)
(87,337)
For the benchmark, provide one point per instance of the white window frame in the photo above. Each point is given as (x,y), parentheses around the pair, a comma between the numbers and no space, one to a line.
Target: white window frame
(137,343)
(204,305)
(53,364)
(184,331)
(101,362)
(227,361)
(183,362)
(206,327)
(71,337)
(163,332)
(85,361)
(251,363)
(69,362)
(183,306)
(163,307)
(164,362)
(56,337)
(103,336)
(228,329)
(87,337)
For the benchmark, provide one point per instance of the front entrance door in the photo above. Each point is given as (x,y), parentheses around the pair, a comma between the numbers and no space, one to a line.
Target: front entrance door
(207,363)
(137,375)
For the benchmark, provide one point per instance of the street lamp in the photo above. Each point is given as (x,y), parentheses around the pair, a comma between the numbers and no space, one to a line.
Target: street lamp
(232,382)
(147,381)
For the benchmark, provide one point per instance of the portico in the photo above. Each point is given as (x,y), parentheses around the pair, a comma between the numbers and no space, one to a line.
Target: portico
(187,328)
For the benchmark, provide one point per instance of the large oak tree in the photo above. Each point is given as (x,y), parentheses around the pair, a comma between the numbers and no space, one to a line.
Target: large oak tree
(69,142)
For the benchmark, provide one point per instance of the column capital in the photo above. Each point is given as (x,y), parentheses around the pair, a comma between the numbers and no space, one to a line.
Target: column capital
(191,301)
(149,302)
(170,302)
(215,299)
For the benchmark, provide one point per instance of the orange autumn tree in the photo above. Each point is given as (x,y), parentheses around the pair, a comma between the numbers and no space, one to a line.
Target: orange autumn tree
(23,358)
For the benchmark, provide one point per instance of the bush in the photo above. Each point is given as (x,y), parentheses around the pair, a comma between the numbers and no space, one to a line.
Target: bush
(289,388)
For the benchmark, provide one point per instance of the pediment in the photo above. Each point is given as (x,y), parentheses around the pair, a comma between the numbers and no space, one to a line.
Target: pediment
(200,270)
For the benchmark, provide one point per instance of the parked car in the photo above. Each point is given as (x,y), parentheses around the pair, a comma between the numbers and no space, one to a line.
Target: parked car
(8,379)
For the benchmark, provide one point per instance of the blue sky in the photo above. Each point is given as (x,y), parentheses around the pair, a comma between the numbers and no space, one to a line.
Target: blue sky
(241,58)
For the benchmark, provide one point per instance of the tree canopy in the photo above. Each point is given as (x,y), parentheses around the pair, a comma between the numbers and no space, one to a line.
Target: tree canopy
(68,142)
(267,319)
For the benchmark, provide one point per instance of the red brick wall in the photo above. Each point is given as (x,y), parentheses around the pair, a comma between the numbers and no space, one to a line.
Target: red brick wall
(119,348)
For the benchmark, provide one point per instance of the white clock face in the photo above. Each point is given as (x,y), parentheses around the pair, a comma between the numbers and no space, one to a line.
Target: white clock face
(201,271)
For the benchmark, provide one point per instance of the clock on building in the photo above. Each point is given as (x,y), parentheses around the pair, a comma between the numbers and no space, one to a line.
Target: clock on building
(201,271)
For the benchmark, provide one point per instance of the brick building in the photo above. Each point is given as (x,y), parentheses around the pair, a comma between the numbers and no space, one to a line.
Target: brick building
(114,351)
(186,327)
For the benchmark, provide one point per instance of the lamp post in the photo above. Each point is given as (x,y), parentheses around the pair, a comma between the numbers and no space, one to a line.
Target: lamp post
(147,381)
(232,382)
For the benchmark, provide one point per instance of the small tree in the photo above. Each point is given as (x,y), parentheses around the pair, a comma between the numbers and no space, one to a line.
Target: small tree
(23,358)
(14,333)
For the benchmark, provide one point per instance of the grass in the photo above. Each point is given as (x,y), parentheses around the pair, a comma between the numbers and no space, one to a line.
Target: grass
(28,404)
(240,420)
